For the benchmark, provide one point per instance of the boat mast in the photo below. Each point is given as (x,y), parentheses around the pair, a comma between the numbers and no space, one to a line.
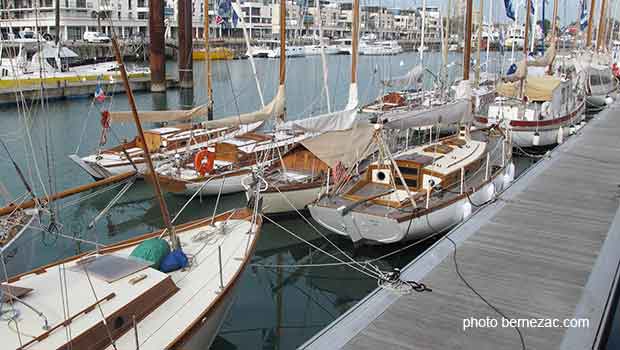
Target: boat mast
(57,22)
(467,53)
(590,20)
(355,33)
(147,155)
(208,66)
(421,48)
(323,57)
(446,43)
(525,41)
(479,41)
(600,38)
(282,42)
(553,32)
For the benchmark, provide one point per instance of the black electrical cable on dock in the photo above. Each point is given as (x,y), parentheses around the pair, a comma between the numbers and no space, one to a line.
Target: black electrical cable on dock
(462,278)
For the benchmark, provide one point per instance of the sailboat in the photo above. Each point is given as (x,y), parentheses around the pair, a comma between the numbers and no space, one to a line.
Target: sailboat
(537,108)
(221,168)
(298,176)
(600,82)
(123,296)
(169,141)
(425,189)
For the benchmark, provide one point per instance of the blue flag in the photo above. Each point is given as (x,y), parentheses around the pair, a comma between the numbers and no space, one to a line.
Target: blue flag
(510,12)
(583,16)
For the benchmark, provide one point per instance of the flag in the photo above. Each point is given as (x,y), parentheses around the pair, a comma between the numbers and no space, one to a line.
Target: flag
(583,16)
(512,69)
(219,20)
(235,18)
(510,12)
(99,93)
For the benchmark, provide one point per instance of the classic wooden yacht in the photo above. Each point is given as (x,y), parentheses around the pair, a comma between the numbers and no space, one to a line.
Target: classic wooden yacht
(420,191)
(536,108)
(552,111)
(307,170)
(163,142)
(109,297)
(220,168)
(146,284)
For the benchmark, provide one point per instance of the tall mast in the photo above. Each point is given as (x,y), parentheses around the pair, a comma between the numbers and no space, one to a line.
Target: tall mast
(479,41)
(467,53)
(282,42)
(554,19)
(57,21)
(525,40)
(590,20)
(208,67)
(147,155)
(600,38)
(421,48)
(355,33)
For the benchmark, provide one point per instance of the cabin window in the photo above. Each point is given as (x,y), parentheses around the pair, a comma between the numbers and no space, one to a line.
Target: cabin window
(409,171)
(412,183)
(118,322)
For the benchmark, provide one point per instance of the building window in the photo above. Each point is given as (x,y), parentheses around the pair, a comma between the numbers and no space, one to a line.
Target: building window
(142,15)
(129,2)
(141,3)
(80,4)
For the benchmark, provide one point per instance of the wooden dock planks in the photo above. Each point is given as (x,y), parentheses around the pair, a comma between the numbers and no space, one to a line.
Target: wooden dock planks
(532,254)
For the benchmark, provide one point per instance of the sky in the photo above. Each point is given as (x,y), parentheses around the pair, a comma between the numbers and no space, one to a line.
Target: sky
(568,9)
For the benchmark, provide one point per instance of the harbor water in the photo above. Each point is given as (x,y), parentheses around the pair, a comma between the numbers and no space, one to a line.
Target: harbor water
(277,307)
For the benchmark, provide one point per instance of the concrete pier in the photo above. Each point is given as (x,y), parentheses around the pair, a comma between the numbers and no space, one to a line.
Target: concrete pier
(547,249)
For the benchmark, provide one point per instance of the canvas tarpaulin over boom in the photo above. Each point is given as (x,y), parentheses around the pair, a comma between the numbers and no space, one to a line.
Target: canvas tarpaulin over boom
(345,146)
(274,109)
(536,88)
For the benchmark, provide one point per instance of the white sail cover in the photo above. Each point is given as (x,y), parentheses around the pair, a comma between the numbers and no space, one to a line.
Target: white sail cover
(274,109)
(414,76)
(457,111)
(340,120)
(450,113)
(344,146)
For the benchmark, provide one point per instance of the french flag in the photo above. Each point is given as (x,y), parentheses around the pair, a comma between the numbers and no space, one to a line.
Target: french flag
(99,93)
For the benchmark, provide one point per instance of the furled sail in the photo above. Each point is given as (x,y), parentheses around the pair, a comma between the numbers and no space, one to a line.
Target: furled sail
(457,111)
(413,77)
(340,120)
(450,113)
(274,109)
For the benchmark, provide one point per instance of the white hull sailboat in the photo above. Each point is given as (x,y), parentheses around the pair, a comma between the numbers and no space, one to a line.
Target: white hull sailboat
(443,182)
(180,309)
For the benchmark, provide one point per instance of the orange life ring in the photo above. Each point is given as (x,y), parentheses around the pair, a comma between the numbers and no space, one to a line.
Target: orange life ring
(204,167)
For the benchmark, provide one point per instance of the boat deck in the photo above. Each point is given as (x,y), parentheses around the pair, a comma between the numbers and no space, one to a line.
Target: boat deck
(437,199)
(548,248)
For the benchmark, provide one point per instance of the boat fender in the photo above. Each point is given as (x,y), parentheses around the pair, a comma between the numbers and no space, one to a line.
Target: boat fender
(203,167)
(536,139)
(571,130)
(175,260)
(560,135)
(509,174)
(466,209)
(609,100)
